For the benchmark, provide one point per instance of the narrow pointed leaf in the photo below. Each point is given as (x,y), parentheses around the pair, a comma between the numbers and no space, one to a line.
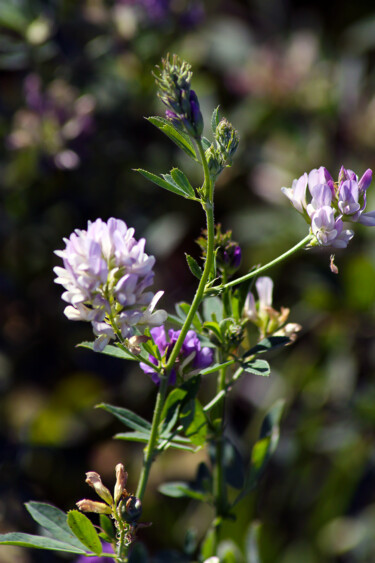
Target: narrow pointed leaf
(215,119)
(257,367)
(194,267)
(38,542)
(206,143)
(54,521)
(132,436)
(178,489)
(268,344)
(109,350)
(162,182)
(182,140)
(84,529)
(182,181)
(263,448)
(216,367)
(127,417)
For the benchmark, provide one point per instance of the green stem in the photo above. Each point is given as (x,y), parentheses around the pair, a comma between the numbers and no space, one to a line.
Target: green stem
(160,399)
(219,480)
(262,269)
(154,436)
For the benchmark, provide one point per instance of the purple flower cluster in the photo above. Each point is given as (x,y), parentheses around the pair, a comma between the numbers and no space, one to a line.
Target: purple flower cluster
(191,359)
(327,204)
(105,274)
(107,548)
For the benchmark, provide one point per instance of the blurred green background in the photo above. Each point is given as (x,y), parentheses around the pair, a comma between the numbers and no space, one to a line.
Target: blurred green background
(298,81)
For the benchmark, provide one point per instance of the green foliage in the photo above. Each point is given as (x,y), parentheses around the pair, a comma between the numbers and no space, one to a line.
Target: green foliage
(83,528)
(181,139)
(194,267)
(72,534)
(263,448)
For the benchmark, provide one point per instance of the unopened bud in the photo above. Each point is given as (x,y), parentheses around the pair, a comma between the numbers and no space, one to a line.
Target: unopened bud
(86,505)
(227,139)
(94,480)
(121,478)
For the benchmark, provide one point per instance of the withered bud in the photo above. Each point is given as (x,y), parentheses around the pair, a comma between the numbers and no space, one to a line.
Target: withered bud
(121,478)
(86,505)
(134,342)
(94,480)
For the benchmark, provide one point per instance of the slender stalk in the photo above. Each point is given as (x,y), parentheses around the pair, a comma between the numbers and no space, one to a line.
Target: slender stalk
(262,269)
(160,399)
(154,435)
(219,488)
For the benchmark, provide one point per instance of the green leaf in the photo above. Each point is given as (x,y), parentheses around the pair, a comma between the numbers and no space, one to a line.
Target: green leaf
(109,350)
(38,542)
(182,140)
(194,267)
(206,143)
(216,367)
(257,367)
(263,448)
(213,309)
(194,422)
(182,310)
(215,119)
(127,417)
(84,529)
(179,489)
(208,548)
(215,328)
(54,521)
(132,436)
(268,344)
(182,181)
(166,182)
(107,527)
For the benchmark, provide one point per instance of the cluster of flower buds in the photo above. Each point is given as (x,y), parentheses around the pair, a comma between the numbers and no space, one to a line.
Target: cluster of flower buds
(220,153)
(174,80)
(52,120)
(264,316)
(124,508)
(331,203)
(105,274)
(228,252)
(191,359)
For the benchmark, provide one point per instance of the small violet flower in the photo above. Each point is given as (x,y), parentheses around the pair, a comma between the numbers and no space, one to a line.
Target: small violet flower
(326,204)
(107,548)
(191,359)
(105,274)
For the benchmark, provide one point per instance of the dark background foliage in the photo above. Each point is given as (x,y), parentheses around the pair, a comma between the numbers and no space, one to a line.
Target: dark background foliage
(297,80)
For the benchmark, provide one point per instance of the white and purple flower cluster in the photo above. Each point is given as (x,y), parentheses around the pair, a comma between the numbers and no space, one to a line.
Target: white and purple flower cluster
(191,359)
(105,274)
(327,204)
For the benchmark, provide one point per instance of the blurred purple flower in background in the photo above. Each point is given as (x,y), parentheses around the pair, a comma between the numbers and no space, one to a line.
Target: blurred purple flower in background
(107,548)
(105,274)
(191,359)
(327,203)
(52,121)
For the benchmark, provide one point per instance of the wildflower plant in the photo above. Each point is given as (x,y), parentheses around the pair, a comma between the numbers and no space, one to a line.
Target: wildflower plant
(224,332)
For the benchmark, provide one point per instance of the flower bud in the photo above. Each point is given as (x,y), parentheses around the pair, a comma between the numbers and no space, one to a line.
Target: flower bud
(86,505)
(94,480)
(121,478)
(227,139)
